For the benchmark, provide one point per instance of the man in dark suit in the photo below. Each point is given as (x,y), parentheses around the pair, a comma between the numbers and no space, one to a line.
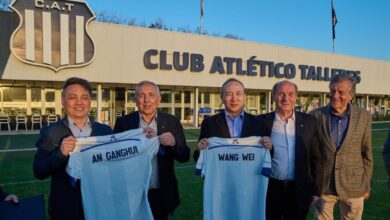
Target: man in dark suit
(58,140)
(295,156)
(345,139)
(233,122)
(163,192)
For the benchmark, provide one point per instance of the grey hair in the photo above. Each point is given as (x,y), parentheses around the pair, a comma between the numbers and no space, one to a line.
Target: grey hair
(344,77)
(278,84)
(146,82)
(229,81)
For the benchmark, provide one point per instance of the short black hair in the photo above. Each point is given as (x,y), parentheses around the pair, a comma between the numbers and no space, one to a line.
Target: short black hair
(79,81)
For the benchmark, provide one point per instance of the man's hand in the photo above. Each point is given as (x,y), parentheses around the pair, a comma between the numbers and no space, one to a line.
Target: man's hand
(167,139)
(314,199)
(150,132)
(202,144)
(67,145)
(266,142)
(367,195)
(11,198)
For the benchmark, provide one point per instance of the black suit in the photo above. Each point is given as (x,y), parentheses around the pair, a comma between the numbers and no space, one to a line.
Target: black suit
(307,164)
(64,200)
(216,126)
(3,195)
(180,152)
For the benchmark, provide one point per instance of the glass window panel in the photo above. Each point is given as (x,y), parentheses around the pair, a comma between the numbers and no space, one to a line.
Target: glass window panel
(106,95)
(177,96)
(50,96)
(187,97)
(207,97)
(35,94)
(14,94)
(178,112)
(166,96)
(130,96)
(94,95)
(251,101)
(165,110)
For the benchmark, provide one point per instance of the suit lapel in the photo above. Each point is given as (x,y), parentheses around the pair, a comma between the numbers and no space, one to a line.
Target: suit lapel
(299,143)
(351,125)
(269,122)
(326,124)
(245,125)
(160,124)
(222,124)
(134,121)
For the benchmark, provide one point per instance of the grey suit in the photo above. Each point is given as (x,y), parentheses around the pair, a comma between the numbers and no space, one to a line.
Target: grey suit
(352,163)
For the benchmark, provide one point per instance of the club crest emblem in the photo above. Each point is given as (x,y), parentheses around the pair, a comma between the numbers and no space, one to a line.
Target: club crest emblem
(53,34)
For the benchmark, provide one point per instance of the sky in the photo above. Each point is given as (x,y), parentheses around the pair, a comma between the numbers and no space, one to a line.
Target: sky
(363,28)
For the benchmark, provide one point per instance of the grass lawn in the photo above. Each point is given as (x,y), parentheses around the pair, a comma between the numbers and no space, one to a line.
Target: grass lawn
(16,175)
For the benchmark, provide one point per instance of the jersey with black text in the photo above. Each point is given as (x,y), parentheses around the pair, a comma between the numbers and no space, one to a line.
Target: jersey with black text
(115,173)
(236,172)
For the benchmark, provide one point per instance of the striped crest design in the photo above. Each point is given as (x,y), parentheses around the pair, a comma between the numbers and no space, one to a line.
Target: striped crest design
(53,34)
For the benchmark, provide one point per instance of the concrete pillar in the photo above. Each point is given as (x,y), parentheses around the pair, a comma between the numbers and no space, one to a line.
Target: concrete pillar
(172,102)
(269,99)
(196,108)
(182,117)
(99,103)
(366,103)
(43,100)
(58,105)
(28,100)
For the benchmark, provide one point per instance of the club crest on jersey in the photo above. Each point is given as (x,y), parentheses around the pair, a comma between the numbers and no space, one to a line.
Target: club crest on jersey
(235,141)
(53,34)
(112,138)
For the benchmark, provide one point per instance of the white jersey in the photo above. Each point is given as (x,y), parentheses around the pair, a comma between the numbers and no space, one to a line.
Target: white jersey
(236,172)
(115,173)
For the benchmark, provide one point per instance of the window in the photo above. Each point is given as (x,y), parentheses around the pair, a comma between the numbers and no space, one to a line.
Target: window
(166,96)
(35,94)
(187,97)
(50,96)
(14,94)
(130,96)
(177,96)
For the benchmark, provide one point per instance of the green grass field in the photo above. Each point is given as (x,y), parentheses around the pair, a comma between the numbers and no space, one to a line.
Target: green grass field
(16,175)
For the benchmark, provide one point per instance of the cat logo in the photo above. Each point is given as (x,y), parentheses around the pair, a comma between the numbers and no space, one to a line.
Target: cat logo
(235,141)
(53,34)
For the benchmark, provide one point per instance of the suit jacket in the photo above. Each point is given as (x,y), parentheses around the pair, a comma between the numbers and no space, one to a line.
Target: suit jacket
(216,126)
(307,154)
(3,195)
(64,200)
(386,157)
(180,152)
(351,165)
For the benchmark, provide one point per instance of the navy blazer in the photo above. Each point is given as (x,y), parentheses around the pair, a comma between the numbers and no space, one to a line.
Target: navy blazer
(307,153)
(3,195)
(180,152)
(64,200)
